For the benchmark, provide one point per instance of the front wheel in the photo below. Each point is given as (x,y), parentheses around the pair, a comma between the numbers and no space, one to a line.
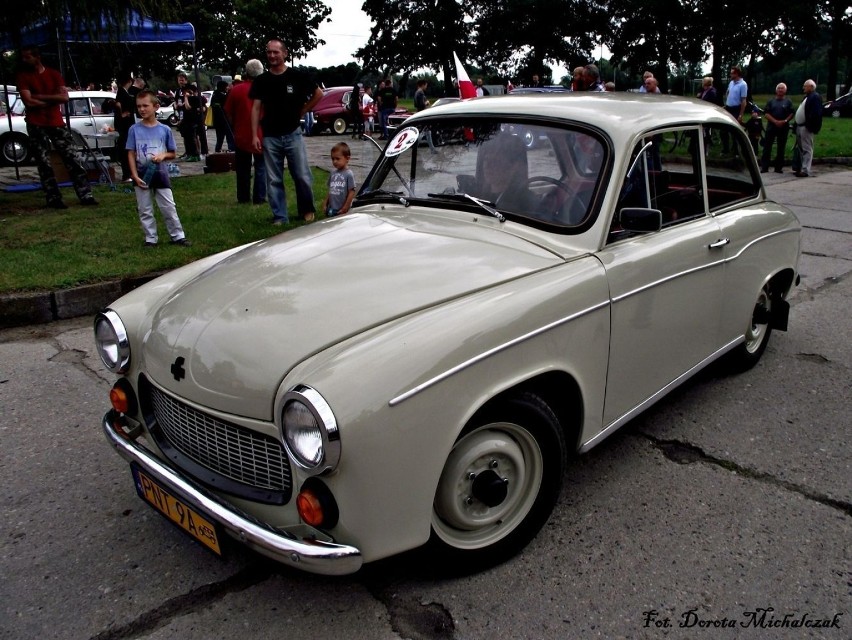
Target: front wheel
(499,484)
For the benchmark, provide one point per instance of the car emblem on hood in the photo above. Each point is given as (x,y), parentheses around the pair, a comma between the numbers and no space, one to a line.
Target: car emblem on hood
(177,369)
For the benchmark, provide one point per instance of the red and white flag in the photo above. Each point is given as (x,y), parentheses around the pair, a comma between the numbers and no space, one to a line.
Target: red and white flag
(466,88)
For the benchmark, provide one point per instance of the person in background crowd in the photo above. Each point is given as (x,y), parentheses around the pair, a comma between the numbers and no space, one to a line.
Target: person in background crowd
(387,100)
(42,91)
(341,182)
(368,107)
(137,86)
(481,89)
(124,118)
(779,111)
(736,99)
(650,85)
(592,78)
(577,82)
(645,76)
(220,122)
(708,93)
(355,111)
(609,86)
(191,121)
(536,81)
(421,103)
(808,124)
(149,145)
(284,95)
(238,108)
(754,129)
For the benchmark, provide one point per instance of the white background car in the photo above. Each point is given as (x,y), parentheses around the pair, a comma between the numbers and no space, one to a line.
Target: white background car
(420,370)
(87,116)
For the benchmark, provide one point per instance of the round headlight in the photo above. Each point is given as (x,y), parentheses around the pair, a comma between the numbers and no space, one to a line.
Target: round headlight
(310,430)
(111,341)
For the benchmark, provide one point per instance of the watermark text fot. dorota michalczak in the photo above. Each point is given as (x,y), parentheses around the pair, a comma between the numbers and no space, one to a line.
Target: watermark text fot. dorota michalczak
(757,618)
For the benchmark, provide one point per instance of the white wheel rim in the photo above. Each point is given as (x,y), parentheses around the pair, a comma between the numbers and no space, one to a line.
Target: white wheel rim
(757,332)
(463,521)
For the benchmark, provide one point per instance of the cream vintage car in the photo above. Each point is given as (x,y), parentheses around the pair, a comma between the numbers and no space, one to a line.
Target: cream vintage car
(418,371)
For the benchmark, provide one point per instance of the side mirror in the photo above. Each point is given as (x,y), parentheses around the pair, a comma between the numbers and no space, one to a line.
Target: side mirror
(640,220)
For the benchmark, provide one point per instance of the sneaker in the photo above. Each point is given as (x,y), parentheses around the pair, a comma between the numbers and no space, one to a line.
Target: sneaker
(149,245)
(309,217)
(56,204)
(779,171)
(89,201)
(183,242)
(278,223)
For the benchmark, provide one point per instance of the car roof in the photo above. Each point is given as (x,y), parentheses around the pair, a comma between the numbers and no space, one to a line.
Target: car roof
(618,113)
(91,94)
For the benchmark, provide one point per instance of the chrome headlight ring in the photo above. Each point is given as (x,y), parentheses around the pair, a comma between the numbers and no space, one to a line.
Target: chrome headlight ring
(309,430)
(111,341)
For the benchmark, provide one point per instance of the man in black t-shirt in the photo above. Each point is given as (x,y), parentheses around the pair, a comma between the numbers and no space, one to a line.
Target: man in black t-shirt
(281,96)
(387,105)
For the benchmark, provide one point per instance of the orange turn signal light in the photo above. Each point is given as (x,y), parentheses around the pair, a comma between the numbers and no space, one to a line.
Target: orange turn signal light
(310,508)
(118,398)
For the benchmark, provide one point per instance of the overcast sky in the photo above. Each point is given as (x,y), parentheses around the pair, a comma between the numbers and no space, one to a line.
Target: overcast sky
(349,30)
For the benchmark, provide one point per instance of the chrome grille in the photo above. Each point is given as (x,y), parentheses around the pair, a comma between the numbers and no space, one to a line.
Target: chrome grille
(252,458)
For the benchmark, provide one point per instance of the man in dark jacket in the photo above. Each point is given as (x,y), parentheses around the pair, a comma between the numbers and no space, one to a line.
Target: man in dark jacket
(808,124)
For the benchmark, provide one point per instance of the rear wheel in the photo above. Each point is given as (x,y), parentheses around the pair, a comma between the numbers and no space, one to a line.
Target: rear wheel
(499,484)
(14,147)
(746,355)
(339,125)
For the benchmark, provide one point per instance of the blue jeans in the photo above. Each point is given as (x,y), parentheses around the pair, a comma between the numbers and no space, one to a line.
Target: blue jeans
(292,147)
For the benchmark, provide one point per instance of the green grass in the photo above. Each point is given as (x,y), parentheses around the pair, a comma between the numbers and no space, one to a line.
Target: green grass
(45,249)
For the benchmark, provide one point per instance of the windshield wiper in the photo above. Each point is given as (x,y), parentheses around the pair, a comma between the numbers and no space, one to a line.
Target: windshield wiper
(396,195)
(484,204)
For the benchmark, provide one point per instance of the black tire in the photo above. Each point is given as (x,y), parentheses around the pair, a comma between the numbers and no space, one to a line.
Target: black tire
(14,144)
(499,485)
(174,120)
(746,355)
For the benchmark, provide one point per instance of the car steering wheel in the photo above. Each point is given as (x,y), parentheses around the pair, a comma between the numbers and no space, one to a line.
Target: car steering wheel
(564,211)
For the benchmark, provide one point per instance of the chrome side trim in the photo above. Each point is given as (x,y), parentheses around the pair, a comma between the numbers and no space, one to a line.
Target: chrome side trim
(314,556)
(761,238)
(487,354)
(639,408)
(668,278)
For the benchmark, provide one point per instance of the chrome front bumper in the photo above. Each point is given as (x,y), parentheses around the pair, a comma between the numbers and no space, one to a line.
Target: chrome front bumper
(314,556)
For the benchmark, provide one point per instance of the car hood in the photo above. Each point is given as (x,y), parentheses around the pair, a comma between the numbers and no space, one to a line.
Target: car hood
(241,325)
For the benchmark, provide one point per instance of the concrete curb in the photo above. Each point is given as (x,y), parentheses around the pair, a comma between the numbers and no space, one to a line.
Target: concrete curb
(19,309)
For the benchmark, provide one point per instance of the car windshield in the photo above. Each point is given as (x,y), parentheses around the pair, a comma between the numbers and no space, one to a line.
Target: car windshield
(527,172)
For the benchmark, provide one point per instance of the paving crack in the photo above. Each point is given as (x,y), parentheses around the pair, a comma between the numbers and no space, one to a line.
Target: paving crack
(685,453)
(195,600)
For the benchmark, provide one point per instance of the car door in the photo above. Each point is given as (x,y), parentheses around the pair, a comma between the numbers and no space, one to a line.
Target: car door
(666,285)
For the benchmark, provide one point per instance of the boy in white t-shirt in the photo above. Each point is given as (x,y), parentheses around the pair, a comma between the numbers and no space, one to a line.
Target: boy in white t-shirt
(149,144)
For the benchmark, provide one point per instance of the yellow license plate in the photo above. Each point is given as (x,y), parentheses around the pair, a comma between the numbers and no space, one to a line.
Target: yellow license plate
(183,516)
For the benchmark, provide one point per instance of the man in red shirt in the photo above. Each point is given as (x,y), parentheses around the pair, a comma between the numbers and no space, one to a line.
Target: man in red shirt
(43,90)
(238,108)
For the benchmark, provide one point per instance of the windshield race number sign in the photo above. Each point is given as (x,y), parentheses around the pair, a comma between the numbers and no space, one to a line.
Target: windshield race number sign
(403,140)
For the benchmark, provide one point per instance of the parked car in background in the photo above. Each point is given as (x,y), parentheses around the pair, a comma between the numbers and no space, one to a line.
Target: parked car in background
(839,107)
(90,114)
(166,115)
(420,370)
(332,112)
(398,117)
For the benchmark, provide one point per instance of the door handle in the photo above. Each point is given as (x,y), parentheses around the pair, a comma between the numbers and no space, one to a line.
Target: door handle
(721,242)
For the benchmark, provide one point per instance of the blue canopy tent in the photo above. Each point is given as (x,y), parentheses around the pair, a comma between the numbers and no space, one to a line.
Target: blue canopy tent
(135,29)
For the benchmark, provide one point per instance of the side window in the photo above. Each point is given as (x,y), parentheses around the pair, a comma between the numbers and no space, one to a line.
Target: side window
(79,106)
(731,171)
(665,174)
(97,107)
